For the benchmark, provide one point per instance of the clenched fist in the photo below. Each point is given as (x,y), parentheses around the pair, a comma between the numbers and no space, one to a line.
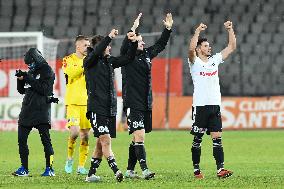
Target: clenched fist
(113,33)
(228,25)
(201,27)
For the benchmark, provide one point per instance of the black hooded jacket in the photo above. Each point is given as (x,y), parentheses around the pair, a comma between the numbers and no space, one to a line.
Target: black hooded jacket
(99,72)
(36,86)
(136,76)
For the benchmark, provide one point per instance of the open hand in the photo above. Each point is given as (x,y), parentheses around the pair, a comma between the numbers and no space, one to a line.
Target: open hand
(136,23)
(168,22)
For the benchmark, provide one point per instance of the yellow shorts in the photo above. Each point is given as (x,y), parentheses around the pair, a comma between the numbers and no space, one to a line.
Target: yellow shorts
(76,116)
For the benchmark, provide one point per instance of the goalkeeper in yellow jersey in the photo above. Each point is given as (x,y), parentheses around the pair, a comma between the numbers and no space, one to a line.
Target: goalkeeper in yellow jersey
(76,104)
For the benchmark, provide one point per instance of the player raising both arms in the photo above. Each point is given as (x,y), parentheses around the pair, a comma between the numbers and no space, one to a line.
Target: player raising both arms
(207,96)
(99,67)
(137,95)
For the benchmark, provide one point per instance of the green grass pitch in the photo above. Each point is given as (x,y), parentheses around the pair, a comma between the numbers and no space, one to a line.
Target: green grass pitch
(256,157)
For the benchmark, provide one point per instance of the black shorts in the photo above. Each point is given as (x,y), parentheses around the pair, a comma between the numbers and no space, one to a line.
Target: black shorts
(137,120)
(103,125)
(206,119)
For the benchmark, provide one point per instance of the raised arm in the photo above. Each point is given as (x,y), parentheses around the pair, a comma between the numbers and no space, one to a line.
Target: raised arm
(126,41)
(136,23)
(232,40)
(124,46)
(129,56)
(90,58)
(160,45)
(193,42)
(100,48)
(94,54)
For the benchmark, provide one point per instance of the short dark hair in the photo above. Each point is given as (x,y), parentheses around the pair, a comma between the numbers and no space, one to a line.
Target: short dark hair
(96,39)
(81,37)
(201,40)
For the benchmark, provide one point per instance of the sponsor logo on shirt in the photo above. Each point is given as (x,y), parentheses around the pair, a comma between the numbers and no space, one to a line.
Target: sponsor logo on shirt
(208,73)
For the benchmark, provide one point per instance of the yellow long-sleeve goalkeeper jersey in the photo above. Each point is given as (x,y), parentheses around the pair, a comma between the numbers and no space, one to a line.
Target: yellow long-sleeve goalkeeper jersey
(76,92)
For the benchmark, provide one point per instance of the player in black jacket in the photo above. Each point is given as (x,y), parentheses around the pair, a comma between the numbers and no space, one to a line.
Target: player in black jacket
(99,70)
(37,86)
(137,95)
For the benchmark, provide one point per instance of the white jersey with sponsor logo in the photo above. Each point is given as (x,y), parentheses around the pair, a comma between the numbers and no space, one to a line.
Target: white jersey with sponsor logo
(206,81)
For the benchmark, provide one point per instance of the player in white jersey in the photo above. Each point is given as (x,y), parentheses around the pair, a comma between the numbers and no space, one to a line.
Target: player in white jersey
(206,113)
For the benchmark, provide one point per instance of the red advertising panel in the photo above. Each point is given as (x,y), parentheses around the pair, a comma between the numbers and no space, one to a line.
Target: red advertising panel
(237,112)
(159,76)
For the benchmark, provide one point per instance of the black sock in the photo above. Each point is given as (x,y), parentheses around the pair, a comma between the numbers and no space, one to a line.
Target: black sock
(24,161)
(141,154)
(47,161)
(112,164)
(196,151)
(95,163)
(218,152)
(132,159)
